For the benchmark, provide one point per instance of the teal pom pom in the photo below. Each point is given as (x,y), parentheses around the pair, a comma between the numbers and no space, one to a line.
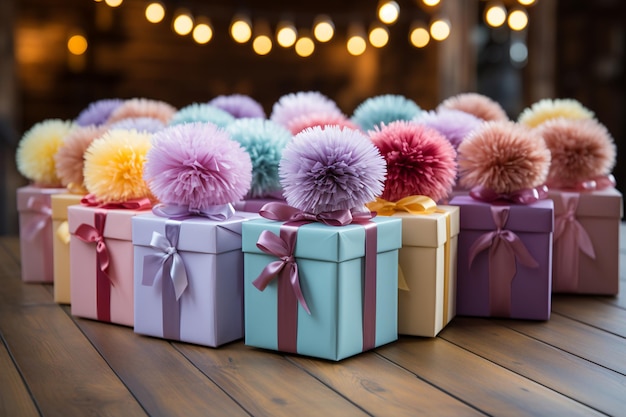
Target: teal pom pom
(385,109)
(201,112)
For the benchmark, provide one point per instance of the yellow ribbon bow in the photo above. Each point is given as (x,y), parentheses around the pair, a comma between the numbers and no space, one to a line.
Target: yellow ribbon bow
(413,204)
(63,232)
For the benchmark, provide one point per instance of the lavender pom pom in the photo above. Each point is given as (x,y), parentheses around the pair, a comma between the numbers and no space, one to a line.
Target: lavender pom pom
(201,112)
(332,168)
(294,105)
(454,125)
(140,124)
(239,106)
(196,164)
(98,112)
(385,109)
(264,141)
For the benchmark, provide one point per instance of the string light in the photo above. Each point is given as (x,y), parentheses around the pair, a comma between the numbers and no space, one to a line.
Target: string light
(305,46)
(431,3)
(183,22)
(356,44)
(113,3)
(419,36)
(155,12)
(495,15)
(440,29)
(323,28)
(518,19)
(378,36)
(388,12)
(262,43)
(286,34)
(526,2)
(240,29)
(203,31)
(77,44)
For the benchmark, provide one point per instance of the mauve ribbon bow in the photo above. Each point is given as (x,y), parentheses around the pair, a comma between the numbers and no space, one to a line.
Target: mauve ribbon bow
(168,261)
(135,204)
(90,234)
(173,211)
(42,216)
(413,204)
(285,268)
(284,212)
(523,196)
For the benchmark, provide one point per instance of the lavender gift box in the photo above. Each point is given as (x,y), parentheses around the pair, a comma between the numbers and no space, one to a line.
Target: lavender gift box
(510,247)
(586,241)
(35,218)
(209,308)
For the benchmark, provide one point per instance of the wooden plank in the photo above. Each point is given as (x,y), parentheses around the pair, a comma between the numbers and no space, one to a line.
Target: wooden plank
(478,381)
(162,380)
(575,377)
(383,388)
(65,375)
(267,384)
(15,399)
(591,311)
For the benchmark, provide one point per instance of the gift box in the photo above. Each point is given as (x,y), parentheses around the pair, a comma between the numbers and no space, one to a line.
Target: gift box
(101,263)
(35,218)
(428,259)
(586,241)
(504,259)
(189,278)
(253,205)
(61,245)
(347,278)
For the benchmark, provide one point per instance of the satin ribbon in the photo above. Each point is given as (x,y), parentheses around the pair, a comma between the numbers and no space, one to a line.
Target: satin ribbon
(169,265)
(600,182)
(173,211)
(91,200)
(505,247)
(286,213)
(524,196)
(570,238)
(41,213)
(63,232)
(95,234)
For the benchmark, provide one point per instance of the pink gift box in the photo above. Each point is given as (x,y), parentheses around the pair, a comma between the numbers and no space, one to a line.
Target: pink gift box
(209,308)
(586,241)
(104,296)
(35,217)
(510,249)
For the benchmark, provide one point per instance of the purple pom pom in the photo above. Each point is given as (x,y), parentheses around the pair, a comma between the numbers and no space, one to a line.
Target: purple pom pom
(454,125)
(98,112)
(239,106)
(332,168)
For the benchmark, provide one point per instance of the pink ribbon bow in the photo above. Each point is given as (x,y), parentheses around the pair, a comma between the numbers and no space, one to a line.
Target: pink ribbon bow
(42,215)
(91,200)
(286,213)
(523,196)
(173,211)
(505,247)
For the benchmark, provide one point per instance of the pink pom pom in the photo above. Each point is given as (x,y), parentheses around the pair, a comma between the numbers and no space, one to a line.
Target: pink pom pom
(142,107)
(477,104)
(298,124)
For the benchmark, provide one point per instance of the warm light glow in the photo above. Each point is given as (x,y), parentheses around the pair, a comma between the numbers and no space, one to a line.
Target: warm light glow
(286,34)
(77,44)
(440,29)
(495,15)
(203,32)
(183,23)
(323,28)
(419,37)
(240,29)
(155,12)
(388,12)
(431,2)
(356,45)
(379,36)
(113,3)
(262,45)
(518,19)
(526,2)
(305,46)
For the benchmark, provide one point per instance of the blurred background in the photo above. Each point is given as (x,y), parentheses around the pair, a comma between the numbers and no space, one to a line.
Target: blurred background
(57,56)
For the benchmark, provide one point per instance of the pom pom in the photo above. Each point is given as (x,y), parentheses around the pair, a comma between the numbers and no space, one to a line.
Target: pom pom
(98,112)
(479,105)
(198,165)
(142,107)
(70,159)
(420,161)
(331,169)
(454,125)
(114,166)
(205,113)
(264,141)
(581,150)
(35,152)
(384,109)
(239,106)
(548,109)
(291,106)
(504,157)
(298,124)
(140,124)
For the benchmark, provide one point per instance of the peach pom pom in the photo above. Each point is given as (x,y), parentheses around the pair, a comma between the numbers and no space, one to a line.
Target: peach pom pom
(479,105)
(142,107)
(70,159)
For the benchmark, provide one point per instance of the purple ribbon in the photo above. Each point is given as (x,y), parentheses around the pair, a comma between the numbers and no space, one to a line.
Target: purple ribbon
(600,182)
(41,212)
(570,238)
(505,247)
(286,213)
(524,196)
(169,265)
(90,200)
(173,211)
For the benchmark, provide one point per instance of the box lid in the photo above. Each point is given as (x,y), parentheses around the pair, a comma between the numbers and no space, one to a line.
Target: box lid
(25,193)
(117,224)
(533,218)
(197,234)
(602,203)
(428,230)
(60,203)
(328,243)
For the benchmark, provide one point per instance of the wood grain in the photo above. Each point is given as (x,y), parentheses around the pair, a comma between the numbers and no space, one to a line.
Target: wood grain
(591,311)
(15,400)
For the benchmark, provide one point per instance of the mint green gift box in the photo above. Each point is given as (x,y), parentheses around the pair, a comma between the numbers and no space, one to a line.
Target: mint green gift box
(331,263)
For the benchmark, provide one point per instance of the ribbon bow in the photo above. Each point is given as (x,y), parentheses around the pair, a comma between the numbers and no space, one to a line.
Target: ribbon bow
(286,213)
(63,232)
(42,214)
(166,263)
(173,211)
(413,204)
(90,234)
(285,268)
(523,196)
(91,200)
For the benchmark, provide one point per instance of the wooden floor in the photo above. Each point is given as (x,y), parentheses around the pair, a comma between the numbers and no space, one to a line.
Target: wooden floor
(53,364)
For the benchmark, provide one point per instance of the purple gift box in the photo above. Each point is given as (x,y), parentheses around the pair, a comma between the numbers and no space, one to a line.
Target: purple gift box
(504,259)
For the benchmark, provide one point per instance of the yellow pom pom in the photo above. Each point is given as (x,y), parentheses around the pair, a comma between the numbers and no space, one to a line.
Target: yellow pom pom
(36,150)
(548,109)
(114,166)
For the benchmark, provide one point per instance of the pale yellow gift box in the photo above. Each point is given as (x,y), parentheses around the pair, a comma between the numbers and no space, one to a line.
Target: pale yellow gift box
(60,245)
(427,264)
